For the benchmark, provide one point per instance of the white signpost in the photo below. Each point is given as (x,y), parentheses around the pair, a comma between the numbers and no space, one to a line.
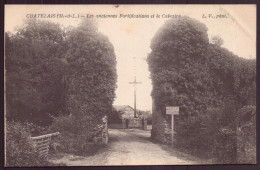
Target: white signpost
(172,110)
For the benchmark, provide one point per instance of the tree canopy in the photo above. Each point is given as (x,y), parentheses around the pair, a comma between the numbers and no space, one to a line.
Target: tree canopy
(215,90)
(91,74)
(34,71)
(188,71)
(50,70)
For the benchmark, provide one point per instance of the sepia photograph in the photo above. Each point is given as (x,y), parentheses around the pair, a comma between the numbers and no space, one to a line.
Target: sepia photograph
(113,85)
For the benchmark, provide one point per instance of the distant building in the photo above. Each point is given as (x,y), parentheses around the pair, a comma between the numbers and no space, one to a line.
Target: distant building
(125,111)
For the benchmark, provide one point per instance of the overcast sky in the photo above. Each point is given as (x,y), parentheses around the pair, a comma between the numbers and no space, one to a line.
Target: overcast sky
(132,37)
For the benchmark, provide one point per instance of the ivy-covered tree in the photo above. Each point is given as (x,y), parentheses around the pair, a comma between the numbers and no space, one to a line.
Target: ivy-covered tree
(177,64)
(34,70)
(91,74)
(210,85)
(188,71)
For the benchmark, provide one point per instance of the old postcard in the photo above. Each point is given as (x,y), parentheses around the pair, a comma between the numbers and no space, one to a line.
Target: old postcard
(100,85)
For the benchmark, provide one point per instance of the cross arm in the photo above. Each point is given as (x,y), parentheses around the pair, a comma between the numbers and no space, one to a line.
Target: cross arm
(135,82)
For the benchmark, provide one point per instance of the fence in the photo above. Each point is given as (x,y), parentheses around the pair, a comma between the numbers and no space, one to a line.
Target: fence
(42,143)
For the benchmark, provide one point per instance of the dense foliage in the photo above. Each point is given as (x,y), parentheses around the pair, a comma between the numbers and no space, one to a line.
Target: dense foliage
(42,60)
(64,79)
(90,80)
(19,148)
(224,133)
(91,73)
(74,138)
(189,72)
(33,72)
(246,134)
(115,117)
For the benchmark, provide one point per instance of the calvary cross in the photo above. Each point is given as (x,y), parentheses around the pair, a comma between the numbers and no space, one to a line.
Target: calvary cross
(135,83)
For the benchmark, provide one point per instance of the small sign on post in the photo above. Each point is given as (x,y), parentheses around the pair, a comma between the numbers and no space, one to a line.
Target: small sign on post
(172,110)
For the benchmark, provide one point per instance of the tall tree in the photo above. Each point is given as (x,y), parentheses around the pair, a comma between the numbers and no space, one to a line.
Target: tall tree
(177,64)
(188,71)
(34,67)
(91,75)
(207,82)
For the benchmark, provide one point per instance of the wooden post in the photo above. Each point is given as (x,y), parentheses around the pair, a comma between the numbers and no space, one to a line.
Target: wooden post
(172,127)
(172,110)
(145,124)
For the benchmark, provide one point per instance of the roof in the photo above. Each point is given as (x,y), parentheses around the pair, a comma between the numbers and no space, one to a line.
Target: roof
(121,107)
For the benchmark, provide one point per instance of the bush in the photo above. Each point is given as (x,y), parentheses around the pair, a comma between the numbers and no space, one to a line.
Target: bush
(215,134)
(34,129)
(195,136)
(19,148)
(114,117)
(78,144)
(76,136)
(246,135)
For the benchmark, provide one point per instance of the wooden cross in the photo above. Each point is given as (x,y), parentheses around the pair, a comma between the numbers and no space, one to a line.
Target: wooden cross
(135,83)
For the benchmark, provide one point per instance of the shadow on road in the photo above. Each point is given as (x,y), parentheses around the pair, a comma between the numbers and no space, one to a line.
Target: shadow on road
(129,135)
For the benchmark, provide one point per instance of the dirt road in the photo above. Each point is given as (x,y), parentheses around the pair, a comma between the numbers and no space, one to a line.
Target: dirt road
(129,147)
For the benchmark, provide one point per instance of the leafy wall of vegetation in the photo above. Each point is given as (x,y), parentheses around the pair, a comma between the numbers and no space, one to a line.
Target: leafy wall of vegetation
(189,72)
(34,71)
(19,147)
(91,73)
(59,77)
